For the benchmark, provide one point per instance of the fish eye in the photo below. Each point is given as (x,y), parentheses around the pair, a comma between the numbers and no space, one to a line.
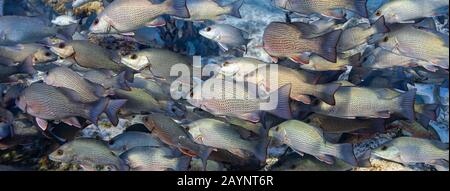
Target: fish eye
(208,29)
(124,148)
(62,45)
(133,57)
(59,152)
(111,142)
(226,63)
(378,13)
(35,59)
(384,148)
(386,39)
(277,128)
(96,21)
(47,54)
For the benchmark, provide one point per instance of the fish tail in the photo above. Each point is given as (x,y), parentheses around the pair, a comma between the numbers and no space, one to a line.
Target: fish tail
(27,66)
(405,104)
(328,45)
(446,153)
(380,26)
(234,8)
(184,163)
(283,109)
(261,147)
(123,166)
(178,8)
(97,110)
(122,81)
(113,108)
(325,92)
(361,8)
(128,75)
(345,153)
(204,155)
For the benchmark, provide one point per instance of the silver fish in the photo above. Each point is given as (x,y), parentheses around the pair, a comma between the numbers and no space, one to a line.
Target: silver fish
(221,135)
(131,139)
(155,159)
(201,10)
(122,16)
(352,102)
(408,150)
(418,43)
(227,36)
(407,11)
(21,30)
(89,153)
(304,138)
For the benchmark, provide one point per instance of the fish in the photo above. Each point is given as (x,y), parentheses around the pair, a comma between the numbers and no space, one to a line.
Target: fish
(64,20)
(294,162)
(128,140)
(6,120)
(306,139)
(317,63)
(218,134)
(338,125)
(196,165)
(89,153)
(336,9)
(284,40)
(300,87)
(353,102)
(358,35)
(146,158)
(19,53)
(238,100)
(410,150)
(79,3)
(123,16)
(23,68)
(408,11)
(202,10)
(159,61)
(381,59)
(12,93)
(22,30)
(171,133)
(150,36)
(46,102)
(238,68)
(138,101)
(227,36)
(67,78)
(417,43)
(89,55)
(107,80)
(158,91)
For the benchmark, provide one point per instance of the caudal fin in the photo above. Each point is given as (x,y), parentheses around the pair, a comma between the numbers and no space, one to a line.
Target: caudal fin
(262,145)
(27,66)
(380,26)
(113,108)
(329,43)
(405,104)
(345,153)
(178,8)
(97,110)
(361,8)
(234,8)
(204,155)
(283,109)
(121,81)
(184,163)
(325,92)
